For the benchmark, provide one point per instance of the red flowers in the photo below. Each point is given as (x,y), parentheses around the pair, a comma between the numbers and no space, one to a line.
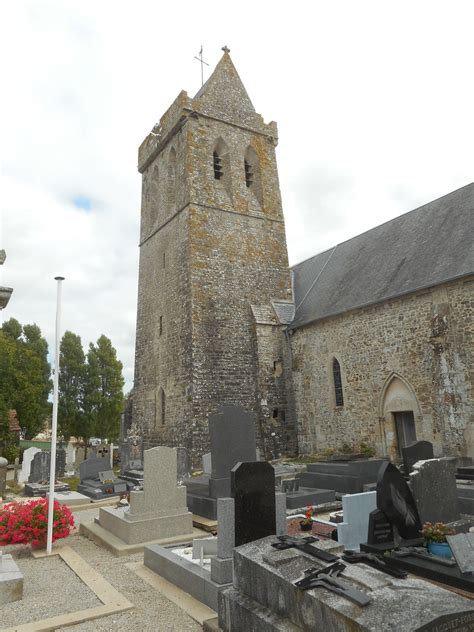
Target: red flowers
(24,523)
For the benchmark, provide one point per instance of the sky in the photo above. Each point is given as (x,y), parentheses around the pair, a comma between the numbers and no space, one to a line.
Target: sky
(374,103)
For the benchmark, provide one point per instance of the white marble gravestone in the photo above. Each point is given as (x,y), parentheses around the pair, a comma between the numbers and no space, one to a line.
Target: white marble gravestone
(356,509)
(159,511)
(28,455)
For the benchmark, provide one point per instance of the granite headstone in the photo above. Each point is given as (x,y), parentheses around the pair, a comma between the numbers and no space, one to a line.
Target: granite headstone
(232,437)
(433,484)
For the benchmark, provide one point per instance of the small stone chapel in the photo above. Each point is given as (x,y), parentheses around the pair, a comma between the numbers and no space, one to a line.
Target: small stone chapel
(370,341)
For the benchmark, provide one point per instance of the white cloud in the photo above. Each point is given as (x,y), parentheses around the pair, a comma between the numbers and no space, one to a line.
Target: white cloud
(373,100)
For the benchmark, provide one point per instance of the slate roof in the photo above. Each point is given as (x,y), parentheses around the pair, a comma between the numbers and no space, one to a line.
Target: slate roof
(426,247)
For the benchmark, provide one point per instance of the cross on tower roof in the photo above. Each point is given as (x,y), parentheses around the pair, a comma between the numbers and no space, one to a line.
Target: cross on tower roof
(225,49)
(202,65)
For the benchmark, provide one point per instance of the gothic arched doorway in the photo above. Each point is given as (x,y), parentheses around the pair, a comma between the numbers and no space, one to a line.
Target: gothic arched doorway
(399,413)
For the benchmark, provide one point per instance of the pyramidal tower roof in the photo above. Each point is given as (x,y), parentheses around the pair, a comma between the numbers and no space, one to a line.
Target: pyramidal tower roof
(224,95)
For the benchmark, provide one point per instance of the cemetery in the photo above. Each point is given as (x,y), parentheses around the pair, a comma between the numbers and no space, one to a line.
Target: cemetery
(370,549)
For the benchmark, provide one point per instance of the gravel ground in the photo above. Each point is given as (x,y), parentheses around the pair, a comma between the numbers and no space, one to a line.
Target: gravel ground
(52,588)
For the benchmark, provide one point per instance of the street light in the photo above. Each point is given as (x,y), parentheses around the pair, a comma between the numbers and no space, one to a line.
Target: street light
(54,425)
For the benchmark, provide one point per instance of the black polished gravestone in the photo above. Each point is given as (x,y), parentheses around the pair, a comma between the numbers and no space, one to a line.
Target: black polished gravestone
(395,522)
(253,490)
(417,451)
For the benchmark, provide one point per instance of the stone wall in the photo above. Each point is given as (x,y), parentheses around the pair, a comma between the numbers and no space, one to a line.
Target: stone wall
(411,353)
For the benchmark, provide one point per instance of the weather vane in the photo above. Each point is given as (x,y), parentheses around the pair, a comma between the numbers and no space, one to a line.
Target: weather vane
(200,59)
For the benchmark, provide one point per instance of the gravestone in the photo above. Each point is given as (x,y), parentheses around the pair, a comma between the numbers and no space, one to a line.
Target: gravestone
(433,484)
(39,471)
(396,501)
(184,464)
(253,490)
(417,451)
(3,476)
(91,471)
(356,510)
(28,455)
(80,455)
(131,452)
(157,512)
(232,437)
(462,546)
(70,456)
(207,463)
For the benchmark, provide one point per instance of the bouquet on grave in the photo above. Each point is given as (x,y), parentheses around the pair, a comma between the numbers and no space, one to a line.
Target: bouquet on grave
(27,523)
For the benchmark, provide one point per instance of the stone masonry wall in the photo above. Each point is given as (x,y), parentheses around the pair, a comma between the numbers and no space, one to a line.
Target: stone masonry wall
(423,341)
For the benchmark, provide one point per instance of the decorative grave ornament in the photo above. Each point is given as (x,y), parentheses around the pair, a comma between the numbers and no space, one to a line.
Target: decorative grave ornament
(417,451)
(253,490)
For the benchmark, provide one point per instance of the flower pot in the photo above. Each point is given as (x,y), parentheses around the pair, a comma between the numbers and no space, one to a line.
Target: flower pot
(441,549)
(305,526)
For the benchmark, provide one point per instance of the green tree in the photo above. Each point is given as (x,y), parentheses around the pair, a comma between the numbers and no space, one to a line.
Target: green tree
(72,374)
(103,399)
(25,374)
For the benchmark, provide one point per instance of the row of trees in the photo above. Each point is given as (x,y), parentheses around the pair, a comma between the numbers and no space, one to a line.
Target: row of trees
(90,385)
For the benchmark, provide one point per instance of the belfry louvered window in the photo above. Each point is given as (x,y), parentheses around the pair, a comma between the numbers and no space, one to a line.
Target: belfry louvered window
(248,173)
(336,372)
(218,169)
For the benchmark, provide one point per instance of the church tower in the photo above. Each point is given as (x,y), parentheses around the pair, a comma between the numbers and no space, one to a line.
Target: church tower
(213,259)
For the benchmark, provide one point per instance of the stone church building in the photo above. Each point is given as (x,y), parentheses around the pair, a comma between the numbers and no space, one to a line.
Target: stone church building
(370,341)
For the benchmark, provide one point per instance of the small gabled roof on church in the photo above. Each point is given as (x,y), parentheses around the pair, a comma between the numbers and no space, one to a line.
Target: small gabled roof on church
(426,247)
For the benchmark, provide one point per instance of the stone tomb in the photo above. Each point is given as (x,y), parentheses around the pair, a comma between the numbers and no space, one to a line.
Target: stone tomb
(356,508)
(264,597)
(232,437)
(417,451)
(433,484)
(98,481)
(241,517)
(159,511)
(347,477)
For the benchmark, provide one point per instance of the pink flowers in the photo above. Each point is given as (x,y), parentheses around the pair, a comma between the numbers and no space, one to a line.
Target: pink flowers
(24,523)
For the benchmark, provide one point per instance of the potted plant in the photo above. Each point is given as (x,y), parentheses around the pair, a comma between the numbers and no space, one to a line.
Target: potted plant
(307,523)
(435,538)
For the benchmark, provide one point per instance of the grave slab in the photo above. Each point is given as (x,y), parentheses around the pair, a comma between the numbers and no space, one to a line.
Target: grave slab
(11,580)
(307,496)
(264,597)
(71,499)
(346,477)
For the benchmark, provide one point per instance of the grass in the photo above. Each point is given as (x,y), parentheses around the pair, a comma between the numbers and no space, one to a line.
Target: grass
(73,482)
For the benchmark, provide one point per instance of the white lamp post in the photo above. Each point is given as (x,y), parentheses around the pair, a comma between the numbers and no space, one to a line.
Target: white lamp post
(54,425)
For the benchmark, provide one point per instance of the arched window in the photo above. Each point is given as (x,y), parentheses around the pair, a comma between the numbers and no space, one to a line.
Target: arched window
(336,372)
(218,168)
(162,406)
(252,174)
